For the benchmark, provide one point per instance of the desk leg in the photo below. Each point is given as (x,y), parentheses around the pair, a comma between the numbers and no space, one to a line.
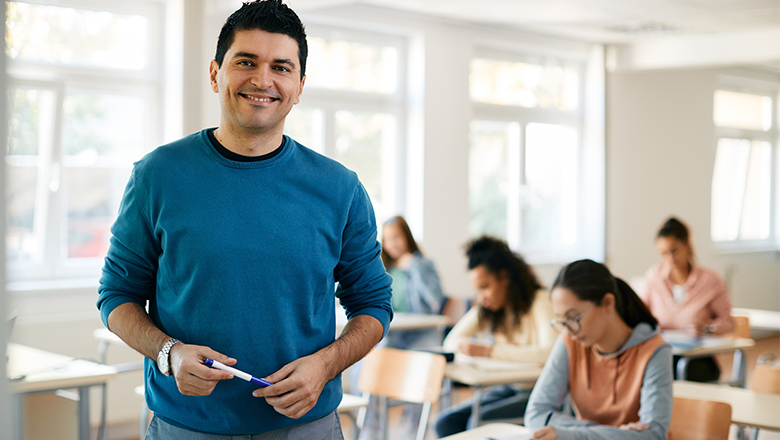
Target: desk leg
(475,418)
(682,368)
(18,416)
(84,428)
(739,369)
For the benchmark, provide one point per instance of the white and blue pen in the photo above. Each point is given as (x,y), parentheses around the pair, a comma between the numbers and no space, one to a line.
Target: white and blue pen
(238,373)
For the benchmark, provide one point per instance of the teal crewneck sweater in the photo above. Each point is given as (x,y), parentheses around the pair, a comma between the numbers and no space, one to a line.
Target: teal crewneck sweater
(243,257)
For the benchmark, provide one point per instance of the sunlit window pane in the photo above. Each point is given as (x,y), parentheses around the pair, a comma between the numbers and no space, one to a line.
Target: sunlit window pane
(58,35)
(742,110)
(754,224)
(21,243)
(524,84)
(728,187)
(304,124)
(93,202)
(345,65)
(365,143)
(30,118)
(551,181)
(103,125)
(489,179)
(103,135)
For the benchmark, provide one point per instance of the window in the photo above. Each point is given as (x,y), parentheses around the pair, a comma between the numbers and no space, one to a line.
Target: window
(74,130)
(352,108)
(742,197)
(525,154)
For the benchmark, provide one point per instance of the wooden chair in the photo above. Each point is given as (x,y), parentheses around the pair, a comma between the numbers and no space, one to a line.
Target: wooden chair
(694,419)
(766,379)
(741,327)
(409,376)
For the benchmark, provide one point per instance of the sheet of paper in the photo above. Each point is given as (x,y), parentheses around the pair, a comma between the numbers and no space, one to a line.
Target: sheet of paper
(507,437)
(488,364)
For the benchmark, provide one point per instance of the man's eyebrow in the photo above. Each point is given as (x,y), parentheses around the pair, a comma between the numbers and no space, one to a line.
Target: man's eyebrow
(287,61)
(245,55)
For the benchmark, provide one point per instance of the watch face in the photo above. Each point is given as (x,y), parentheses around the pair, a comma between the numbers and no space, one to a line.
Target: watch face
(162,363)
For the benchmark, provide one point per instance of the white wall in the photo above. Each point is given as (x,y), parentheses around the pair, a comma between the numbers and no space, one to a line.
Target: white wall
(660,156)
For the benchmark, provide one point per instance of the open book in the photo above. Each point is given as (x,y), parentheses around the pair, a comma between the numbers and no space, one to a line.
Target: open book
(488,364)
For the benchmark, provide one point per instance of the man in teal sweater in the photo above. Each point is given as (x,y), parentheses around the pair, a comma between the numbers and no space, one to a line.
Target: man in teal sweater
(234,238)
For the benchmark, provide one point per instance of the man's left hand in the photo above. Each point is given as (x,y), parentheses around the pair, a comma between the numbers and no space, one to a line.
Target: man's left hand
(296,387)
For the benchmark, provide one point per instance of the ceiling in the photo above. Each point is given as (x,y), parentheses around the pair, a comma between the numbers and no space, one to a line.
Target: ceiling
(645,32)
(604,21)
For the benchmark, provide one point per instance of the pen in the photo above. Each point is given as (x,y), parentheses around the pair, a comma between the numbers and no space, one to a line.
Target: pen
(549,416)
(238,373)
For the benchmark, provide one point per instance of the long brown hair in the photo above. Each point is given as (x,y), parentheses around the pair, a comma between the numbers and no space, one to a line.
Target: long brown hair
(497,258)
(410,243)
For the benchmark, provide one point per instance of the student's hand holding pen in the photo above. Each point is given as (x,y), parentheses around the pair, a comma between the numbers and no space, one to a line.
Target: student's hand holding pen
(193,377)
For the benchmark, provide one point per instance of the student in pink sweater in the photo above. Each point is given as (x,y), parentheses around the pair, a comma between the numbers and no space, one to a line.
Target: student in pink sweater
(684,295)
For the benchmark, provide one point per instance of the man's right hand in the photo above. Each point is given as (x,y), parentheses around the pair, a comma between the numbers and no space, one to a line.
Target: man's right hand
(193,377)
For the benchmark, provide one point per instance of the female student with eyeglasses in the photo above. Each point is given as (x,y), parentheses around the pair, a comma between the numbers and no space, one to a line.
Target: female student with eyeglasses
(610,359)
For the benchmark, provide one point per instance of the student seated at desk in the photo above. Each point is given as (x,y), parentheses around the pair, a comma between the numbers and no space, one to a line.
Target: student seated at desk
(416,285)
(611,360)
(684,295)
(416,289)
(512,319)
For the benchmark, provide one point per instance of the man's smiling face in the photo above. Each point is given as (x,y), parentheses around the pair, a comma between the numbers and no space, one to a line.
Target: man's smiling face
(258,83)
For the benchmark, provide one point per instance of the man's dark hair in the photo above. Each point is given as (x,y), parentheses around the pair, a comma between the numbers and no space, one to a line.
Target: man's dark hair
(266,15)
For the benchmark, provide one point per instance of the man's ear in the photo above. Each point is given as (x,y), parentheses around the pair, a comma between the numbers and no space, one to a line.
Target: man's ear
(300,91)
(213,72)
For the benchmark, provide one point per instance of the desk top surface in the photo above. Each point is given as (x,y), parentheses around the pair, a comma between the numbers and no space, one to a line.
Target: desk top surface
(748,407)
(760,319)
(682,344)
(474,376)
(44,371)
(491,430)
(403,321)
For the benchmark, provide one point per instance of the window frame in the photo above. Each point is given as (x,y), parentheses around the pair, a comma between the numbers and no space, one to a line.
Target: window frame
(524,116)
(330,101)
(62,79)
(771,136)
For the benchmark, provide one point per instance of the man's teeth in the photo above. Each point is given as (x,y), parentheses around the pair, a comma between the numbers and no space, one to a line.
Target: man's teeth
(258,99)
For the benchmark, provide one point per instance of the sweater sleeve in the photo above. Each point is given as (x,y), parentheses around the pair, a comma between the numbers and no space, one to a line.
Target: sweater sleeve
(130,267)
(539,318)
(655,407)
(363,284)
(721,307)
(426,283)
(462,331)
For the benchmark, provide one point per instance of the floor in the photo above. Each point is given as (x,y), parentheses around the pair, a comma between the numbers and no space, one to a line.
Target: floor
(770,344)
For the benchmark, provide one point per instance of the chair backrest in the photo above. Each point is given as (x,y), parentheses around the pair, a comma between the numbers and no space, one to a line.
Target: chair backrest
(741,327)
(766,379)
(694,419)
(411,376)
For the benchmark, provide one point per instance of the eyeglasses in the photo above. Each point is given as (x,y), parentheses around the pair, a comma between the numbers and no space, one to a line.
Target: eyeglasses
(572,324)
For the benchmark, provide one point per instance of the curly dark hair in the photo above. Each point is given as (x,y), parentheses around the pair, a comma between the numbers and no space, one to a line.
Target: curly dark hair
(497,258)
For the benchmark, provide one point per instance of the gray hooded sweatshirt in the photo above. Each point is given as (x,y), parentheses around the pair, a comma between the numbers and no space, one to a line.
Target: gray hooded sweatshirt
(552,388)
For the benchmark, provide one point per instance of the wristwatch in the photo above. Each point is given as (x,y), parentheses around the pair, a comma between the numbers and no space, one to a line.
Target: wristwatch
(164,357)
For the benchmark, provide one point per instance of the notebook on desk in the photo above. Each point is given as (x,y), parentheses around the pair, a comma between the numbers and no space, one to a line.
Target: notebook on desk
(488,364)
(686,341)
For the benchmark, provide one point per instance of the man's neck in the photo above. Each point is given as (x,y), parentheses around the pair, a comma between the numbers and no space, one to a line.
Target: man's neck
(247,143)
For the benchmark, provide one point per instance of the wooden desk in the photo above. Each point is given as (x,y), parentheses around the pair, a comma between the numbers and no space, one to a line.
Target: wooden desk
(710,345)
(491,430)
(748,408)
(46,372)
(480,379)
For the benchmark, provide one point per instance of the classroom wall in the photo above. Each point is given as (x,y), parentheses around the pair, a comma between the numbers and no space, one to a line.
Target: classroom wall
(660,155)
